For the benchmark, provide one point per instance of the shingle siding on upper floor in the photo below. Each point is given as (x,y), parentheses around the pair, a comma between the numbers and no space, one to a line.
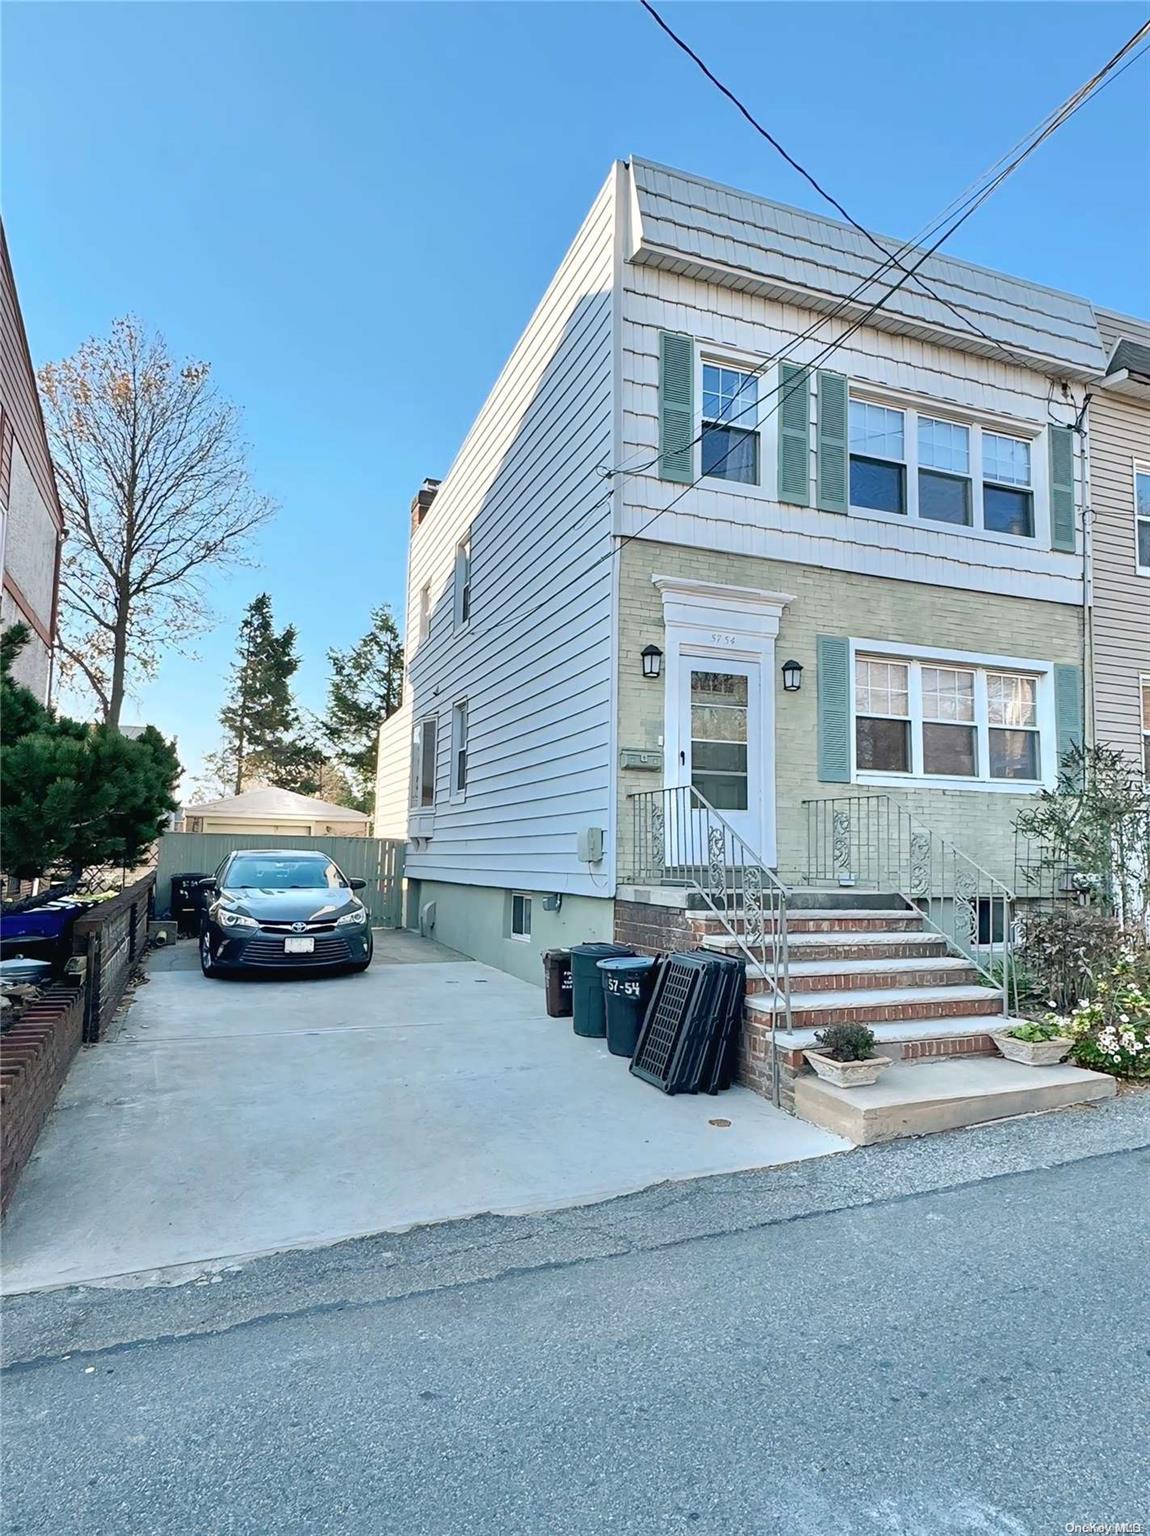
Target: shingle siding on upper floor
(686,223)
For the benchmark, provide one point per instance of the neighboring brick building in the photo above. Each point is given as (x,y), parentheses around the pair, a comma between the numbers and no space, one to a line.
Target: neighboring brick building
(31,523)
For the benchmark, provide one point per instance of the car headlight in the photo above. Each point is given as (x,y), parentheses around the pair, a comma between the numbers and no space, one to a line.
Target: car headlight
(352,919)
(228,919)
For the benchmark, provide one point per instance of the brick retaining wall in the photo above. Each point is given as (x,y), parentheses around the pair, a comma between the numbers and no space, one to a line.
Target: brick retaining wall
(34,1059)
(111,937)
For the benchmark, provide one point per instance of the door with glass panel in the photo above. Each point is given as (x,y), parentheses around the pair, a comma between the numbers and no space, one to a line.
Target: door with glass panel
(719,750)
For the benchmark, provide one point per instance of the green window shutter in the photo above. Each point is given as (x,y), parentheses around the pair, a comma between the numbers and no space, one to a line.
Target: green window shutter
(676,407)
(833,653)
(832,442)
(1061,488)
(795,434)
(1068,703)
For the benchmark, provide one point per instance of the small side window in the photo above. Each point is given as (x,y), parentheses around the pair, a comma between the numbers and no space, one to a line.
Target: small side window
(459,749)
(463,582)
(520,915)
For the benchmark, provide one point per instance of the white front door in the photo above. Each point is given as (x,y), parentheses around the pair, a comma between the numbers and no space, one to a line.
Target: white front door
(720,739)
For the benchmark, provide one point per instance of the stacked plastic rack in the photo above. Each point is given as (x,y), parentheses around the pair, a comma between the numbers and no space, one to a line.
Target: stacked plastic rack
(688,1042)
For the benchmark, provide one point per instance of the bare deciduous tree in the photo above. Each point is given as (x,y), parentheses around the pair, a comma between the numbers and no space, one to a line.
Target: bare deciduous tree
(154,484)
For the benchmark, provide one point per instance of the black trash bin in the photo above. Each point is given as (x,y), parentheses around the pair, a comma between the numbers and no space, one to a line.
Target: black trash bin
(187,902)
(627,983)
(557,982)
(587,986)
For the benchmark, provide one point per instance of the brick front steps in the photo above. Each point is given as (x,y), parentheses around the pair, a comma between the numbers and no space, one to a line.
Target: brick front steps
(839,975)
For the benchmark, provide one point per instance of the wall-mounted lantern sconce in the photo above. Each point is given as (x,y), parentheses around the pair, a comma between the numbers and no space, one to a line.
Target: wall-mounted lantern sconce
(792,676)
(652,662)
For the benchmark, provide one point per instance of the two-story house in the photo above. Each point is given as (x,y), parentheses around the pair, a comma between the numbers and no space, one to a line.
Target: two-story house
(757,571)
(31,523)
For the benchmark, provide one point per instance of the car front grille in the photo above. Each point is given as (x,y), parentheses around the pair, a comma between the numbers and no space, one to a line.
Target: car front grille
(321,926)
(270,952)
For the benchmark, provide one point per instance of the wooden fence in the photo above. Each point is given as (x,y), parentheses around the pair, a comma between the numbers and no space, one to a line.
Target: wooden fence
(377,860)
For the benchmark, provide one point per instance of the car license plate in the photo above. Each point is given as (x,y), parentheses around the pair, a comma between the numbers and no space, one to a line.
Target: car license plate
(299,946)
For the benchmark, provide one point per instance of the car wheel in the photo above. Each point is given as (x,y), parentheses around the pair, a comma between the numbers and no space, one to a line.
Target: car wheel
(207,964)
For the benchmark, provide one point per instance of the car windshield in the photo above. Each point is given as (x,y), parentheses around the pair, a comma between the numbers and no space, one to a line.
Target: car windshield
(272,873)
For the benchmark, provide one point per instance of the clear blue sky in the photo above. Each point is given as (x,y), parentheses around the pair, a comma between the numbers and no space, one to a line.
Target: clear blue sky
(351,210)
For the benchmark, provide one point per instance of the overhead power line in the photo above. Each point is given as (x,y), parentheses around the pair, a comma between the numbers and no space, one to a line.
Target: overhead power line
(967,204)
(741,107)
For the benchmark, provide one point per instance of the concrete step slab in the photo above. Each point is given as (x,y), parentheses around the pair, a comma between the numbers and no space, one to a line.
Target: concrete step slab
(944,1095)
(865,1005)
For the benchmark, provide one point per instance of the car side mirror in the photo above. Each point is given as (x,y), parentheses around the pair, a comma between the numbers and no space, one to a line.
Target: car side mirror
(358,884)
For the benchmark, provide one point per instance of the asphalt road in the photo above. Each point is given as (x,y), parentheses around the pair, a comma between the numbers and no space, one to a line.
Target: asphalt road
(734,1356)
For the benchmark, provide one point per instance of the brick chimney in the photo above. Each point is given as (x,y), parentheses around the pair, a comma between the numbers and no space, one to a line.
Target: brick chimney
(422,500)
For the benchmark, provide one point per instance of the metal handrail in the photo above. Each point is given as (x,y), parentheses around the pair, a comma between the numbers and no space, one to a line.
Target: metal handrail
(874,840)
(680,839)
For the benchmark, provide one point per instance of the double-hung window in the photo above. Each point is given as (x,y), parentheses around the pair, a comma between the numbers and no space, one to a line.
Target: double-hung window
(459,748)
(931,720)
(1142,519)
(1145,685)
(944,471)
(730,437)
(927,468)
(423,743)
(878,454)
(463,582)
(1007,498)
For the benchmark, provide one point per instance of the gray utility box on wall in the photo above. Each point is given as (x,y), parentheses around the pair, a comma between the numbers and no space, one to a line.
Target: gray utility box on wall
(589,845)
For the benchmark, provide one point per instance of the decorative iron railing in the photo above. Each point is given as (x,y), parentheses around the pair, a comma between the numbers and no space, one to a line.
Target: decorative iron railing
(680,840)
(871,840)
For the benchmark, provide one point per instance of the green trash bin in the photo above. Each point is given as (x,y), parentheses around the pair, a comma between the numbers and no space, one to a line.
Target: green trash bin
(627,984)
(590,1017)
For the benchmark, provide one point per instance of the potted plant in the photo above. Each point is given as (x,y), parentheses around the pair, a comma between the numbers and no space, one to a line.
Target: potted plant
(846,1056)
(1038,1043)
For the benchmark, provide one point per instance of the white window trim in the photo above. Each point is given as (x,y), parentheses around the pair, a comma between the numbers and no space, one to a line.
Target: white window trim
(462,581)
(459,712)
(976,425)
(978,661)
(524,896)
(724,358)
(1140,468)
(423,614)
(415,789)
(1143,720)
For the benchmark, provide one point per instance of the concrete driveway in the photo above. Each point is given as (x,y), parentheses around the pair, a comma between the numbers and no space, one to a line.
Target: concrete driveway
(228,1118)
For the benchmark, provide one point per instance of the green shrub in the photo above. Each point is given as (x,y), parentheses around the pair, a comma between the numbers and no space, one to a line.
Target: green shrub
(846,1042)
(1062,951)
(1035,1033)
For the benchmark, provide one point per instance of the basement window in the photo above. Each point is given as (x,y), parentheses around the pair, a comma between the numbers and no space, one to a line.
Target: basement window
(520,915)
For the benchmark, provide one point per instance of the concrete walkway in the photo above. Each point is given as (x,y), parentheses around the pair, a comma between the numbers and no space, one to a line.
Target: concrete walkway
(229,1118)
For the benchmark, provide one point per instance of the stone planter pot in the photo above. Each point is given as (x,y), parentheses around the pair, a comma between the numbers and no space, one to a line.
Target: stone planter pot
(848,1074)
(1034,1053)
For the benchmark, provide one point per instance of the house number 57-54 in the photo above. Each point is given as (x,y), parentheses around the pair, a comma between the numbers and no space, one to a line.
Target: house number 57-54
(720,639)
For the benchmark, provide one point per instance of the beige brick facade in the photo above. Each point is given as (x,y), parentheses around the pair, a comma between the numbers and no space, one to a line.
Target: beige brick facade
(979,822)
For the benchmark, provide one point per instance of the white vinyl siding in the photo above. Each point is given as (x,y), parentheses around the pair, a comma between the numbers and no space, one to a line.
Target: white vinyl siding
(534,660)
(393,775)
(1119,427)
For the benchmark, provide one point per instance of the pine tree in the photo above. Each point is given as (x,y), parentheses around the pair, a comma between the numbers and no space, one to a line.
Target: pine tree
(75,795)
(365,687)
(260,719)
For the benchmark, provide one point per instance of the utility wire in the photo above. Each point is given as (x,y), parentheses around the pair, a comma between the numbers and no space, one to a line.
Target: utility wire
(829,197)
(1053,120)
(1029,144)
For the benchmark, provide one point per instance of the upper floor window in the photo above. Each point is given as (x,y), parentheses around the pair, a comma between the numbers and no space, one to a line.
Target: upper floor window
(937,721)
(424,612)
(1142,518)
(921,466)
(463,581)
(878,471)
(1146,727)
(730,437)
